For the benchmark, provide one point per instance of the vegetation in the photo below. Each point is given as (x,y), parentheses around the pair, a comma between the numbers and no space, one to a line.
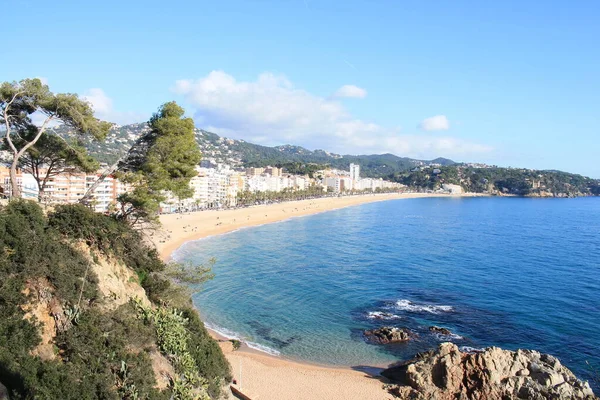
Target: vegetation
(298,168)
(52,156)
(99,352)
(19,101)
(522,182)
(251,198)
(374,165)
(239,153)
(163,160)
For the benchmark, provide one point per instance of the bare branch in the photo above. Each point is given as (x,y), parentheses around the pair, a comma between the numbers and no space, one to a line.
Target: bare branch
(42,129)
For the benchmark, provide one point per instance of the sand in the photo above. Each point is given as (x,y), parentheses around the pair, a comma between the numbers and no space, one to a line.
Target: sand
(180,228)
(263,376)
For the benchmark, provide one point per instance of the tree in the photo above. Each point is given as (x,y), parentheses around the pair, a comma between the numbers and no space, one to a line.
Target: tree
(51,156)
(162,161)
(20,101)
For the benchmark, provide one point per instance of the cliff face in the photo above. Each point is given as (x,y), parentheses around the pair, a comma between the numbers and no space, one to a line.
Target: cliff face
(493,374)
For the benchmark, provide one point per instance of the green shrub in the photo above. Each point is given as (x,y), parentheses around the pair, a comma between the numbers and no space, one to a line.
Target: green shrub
(103,354)
(108,235)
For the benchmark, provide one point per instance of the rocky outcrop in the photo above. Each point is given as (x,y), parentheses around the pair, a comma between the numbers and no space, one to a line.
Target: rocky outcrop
(440,330)
(117,283)
(47,312)
(492,374)
(386,334)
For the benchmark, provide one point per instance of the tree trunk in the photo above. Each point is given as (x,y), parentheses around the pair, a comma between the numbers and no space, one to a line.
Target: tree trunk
(15,190)
(88,194)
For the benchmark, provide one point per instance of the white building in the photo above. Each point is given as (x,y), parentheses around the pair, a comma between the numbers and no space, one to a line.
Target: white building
(26,183)
(338,184)
(354,172)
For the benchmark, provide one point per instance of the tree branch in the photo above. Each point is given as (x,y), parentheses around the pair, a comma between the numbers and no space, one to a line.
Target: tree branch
(36,138)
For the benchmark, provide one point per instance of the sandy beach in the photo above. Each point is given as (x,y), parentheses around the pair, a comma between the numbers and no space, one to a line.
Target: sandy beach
(263,376)
(180,228)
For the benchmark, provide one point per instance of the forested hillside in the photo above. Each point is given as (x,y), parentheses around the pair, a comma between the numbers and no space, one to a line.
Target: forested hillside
(239,153)
(514,181)
(88,311)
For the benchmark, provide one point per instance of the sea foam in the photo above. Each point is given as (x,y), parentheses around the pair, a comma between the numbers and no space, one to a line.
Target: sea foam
(235,336)
(382,315)
(448,336)
(407,305)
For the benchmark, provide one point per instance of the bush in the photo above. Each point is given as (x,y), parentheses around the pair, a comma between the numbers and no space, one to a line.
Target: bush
(103,354)
(108,235)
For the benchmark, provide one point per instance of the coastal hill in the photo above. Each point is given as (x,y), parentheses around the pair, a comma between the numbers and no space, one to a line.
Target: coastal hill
(240,153)
(420,175)
(87,311)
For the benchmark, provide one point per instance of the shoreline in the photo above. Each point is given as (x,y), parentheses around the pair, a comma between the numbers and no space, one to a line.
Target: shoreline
(263,375)
(178,229)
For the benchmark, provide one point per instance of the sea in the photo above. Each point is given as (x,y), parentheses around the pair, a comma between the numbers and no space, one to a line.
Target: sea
(508,272)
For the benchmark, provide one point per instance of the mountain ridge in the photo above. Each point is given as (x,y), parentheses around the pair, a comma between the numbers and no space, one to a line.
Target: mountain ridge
(240,153)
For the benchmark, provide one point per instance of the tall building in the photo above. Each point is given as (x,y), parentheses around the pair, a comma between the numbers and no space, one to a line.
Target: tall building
(354,172)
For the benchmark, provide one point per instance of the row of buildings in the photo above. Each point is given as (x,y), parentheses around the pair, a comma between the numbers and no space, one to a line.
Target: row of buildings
(215,185)
(66,188)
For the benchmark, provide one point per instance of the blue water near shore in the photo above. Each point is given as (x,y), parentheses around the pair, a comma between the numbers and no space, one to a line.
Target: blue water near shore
(510,272)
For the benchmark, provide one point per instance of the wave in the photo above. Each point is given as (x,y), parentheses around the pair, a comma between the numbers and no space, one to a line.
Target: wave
(468,349)
(262,348)
(229,334)
(382,315)
(449,336)
(407,305)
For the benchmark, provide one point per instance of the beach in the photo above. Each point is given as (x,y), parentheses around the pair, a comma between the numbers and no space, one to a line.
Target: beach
(263,376)
(180,228)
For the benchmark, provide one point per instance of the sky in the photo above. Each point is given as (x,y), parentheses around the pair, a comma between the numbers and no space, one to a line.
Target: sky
(511,83)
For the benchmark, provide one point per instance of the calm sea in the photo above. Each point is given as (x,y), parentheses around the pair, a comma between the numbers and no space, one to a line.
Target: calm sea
(510,272)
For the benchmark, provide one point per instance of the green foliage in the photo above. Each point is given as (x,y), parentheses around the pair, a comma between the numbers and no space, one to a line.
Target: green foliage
(246,154)
(52,155)
(251,198)
(190,274)
(92,349)
(32,249)
(207,354)
(175,340)
(108,235)
(298,168)
(163,160)
(102,354)
(19,100)
(522,182)
(99,346)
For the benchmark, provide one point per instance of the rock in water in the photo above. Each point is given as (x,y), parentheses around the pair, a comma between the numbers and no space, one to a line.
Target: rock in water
(441,331)
(493,374)
(386,334)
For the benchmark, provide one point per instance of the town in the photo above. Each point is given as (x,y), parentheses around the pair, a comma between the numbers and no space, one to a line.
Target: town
(216,186)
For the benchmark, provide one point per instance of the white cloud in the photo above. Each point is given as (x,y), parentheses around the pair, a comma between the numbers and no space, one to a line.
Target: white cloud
(104,110)
(350,91)
(436,123)
(101,103)
(271,111)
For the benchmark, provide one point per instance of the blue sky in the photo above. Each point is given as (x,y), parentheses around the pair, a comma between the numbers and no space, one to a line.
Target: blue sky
(511,83)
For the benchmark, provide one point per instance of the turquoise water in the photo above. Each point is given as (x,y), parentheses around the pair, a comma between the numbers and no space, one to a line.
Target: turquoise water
(511,272)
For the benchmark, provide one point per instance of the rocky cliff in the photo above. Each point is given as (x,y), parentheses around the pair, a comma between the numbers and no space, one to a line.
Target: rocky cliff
(492,374)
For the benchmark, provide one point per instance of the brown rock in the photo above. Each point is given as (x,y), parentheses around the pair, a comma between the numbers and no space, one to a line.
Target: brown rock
(441,331)
(493,374)
(386,334)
